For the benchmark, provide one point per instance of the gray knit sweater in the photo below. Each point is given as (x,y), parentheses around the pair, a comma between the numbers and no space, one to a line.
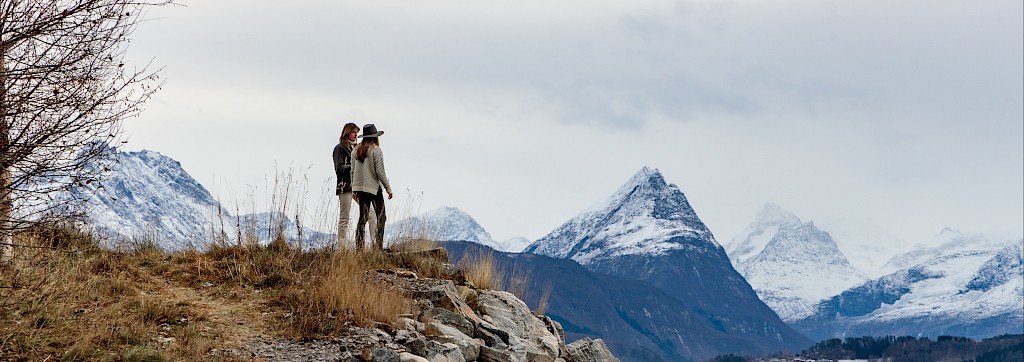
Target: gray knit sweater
(369,176)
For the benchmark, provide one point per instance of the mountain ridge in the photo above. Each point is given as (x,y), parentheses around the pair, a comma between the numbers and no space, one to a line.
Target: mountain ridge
(647,231)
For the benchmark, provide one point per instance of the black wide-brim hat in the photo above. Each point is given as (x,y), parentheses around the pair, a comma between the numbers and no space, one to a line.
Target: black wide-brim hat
(370,131)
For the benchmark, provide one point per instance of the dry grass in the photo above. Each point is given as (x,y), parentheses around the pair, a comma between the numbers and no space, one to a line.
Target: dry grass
(64,298)
(338,290)
(481,270)
(76,302)
(545,297)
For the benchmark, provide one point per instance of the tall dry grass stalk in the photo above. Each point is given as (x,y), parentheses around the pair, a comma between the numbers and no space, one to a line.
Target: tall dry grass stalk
(545,298)
(480,269)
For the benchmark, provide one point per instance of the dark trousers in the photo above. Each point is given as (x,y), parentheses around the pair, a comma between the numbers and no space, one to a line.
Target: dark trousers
(367,201)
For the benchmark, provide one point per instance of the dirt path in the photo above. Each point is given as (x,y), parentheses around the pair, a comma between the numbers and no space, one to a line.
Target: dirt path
(230,318)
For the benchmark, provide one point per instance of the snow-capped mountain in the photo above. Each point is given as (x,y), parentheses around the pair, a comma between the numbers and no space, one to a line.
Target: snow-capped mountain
(798,267)
(645,216)
(866,244)
(442,224)
(947,241)
(149,197)
(514,245)
(756,236)
(969,286)
(791,264)
(1007,265)
(648,231)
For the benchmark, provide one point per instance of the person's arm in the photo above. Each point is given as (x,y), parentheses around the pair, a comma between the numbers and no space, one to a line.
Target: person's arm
(378,166)
(338,155)
(337,161)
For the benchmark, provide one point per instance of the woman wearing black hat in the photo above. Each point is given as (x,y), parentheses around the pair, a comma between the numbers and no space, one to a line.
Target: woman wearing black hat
(367,178)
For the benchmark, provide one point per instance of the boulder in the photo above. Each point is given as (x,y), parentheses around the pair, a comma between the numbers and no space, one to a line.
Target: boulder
(589,350)
(442,293)
(469,346)
(526,332)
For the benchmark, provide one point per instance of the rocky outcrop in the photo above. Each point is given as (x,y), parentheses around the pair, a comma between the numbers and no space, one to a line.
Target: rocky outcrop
(449,323)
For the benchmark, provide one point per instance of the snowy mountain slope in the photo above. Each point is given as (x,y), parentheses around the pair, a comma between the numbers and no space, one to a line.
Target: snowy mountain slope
(790,264)
(756,236)
(514,245)
(645,216)
(149,196)
(866,244)
(947,241)
(443,224)
(799,266)
(648,231)
(960,289)
(1003,268)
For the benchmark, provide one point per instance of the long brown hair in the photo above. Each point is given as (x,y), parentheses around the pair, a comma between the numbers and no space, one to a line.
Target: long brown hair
(349,128)
(364,147)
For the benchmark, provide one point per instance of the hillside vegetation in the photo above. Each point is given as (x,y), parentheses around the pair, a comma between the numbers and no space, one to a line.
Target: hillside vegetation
(64,298)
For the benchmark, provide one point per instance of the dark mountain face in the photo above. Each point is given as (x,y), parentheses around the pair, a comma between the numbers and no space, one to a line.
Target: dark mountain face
(640,322)
(648,232)
(707,286)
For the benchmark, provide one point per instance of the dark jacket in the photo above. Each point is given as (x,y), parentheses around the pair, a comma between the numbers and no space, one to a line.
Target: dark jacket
(343,168)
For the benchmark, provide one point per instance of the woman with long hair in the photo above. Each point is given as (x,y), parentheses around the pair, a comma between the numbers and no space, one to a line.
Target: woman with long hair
(343,170)
(369,181)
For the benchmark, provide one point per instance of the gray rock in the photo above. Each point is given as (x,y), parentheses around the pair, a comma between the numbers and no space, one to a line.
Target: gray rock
(454,319)
(436,351)
(442,293)
(526,332)
(468,346)
(385,355)
(589,350)
(409,357)
(488,354)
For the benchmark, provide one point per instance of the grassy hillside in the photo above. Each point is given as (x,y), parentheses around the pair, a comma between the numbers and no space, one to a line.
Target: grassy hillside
(64,298)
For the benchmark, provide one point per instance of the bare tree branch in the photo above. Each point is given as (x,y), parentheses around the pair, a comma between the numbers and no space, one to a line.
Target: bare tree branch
(64,91)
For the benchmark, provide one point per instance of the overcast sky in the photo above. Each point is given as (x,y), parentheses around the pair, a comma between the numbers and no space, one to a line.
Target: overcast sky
(909,114)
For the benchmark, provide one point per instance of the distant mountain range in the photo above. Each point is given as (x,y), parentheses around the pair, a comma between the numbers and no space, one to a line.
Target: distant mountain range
(960,289)
(642,271)
(448,224)
(966,285)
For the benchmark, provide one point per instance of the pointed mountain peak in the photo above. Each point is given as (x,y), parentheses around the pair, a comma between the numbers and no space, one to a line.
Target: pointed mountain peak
(645,216)
(647,173)
(773,214)
(756,236)
(646,176)
(447,211)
